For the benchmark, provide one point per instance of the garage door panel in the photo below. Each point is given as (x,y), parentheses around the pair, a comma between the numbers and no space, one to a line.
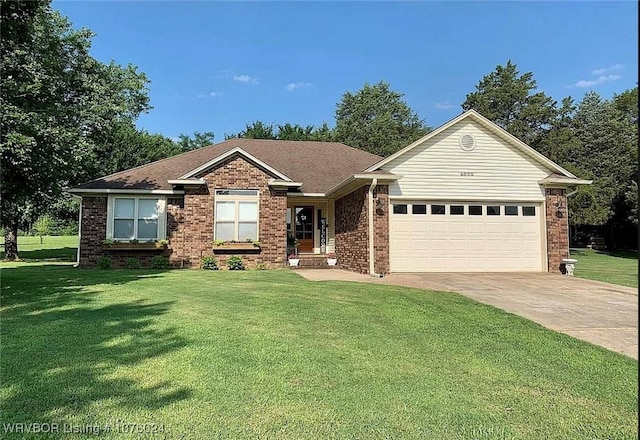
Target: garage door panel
(445,243)
(458,244)
(476,227)
(512,228)
(495,227)
(531,228)
(439,245)
(398,227)
(458,228)
(438,227)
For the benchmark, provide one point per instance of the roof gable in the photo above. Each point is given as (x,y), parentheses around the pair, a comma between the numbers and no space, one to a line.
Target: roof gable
(472,114)
(237,151)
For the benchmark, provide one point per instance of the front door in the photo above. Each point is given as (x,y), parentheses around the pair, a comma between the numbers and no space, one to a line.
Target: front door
(303,228)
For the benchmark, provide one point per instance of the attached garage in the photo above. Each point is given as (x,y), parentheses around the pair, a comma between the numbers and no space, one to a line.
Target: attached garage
(436,236)
(470,197)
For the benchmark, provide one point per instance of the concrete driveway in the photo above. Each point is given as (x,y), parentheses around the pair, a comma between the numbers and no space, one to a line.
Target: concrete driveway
(600,313)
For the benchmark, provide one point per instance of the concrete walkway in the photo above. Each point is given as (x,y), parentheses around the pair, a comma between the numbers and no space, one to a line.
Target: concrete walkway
(600,313)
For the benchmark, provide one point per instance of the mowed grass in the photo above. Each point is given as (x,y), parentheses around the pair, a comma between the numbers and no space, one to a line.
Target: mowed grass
(616,267)
(62,248)
(267,354)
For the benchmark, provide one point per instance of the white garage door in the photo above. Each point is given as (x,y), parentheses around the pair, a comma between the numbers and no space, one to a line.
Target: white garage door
(465,237)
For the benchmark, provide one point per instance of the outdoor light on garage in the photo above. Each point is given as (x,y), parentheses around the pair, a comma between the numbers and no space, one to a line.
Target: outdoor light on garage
(559,207)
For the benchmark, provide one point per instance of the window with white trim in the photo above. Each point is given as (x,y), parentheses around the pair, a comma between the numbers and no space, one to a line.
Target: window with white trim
(136,218)
(236,215)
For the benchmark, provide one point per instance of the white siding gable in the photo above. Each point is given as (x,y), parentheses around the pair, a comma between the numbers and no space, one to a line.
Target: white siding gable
(440,169)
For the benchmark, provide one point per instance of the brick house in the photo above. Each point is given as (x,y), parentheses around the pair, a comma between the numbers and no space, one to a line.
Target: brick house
(467,197)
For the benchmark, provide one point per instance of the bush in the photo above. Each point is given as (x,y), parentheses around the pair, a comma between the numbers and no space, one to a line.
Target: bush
(209,263)
(132,263)
(235,263)
(159,262)
(104,263)
(71,229)
(261,266)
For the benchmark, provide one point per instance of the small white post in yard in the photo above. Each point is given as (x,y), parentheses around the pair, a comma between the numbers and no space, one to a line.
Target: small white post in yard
(569,266)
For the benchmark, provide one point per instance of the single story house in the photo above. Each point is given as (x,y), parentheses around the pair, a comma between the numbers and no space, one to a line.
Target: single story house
(466,197)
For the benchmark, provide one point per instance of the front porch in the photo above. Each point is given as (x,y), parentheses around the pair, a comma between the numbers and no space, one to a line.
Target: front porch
(313,261)
(310,221)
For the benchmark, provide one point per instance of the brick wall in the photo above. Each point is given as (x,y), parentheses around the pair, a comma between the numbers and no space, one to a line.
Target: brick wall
(94,230)
(557,228)
(381,228)
(190,222)
(352,230)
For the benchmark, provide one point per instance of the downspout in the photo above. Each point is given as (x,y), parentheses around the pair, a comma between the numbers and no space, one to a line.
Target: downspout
(572,192)
(374,183)
(79,234)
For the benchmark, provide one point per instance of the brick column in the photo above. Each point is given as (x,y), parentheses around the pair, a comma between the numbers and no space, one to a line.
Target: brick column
(352,231)
(381,228)
(557,228)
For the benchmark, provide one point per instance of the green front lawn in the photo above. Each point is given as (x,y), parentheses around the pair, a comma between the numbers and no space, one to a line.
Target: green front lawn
(267,354)
(616,267)
(62,248)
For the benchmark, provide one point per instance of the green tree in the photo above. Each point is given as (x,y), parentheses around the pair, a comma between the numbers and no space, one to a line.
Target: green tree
(509,99)
(324,133)
(55,100)
(288,132)
(199,140)
(377,120)
(43,226)
(255,130)
(607,152)
(285,132)
(125,146)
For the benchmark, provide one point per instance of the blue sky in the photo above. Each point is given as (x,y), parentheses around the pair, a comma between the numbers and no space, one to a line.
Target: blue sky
(215,66)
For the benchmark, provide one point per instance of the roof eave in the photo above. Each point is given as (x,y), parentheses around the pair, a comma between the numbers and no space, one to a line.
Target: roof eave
(103,191)
(364,177)
(563,182)
(283,185)
(186,182)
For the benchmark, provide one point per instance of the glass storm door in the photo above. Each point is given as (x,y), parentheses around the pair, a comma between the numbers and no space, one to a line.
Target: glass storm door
(304,228)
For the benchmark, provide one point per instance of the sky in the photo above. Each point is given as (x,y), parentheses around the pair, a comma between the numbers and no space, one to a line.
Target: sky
(216,66)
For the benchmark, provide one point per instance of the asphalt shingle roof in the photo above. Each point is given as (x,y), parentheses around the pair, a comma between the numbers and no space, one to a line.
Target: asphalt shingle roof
(318,165)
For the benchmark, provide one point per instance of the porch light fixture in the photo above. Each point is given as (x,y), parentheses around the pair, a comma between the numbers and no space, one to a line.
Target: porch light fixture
(379,206)
(559,207)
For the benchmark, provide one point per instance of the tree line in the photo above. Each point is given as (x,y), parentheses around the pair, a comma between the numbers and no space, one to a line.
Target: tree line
(68,118)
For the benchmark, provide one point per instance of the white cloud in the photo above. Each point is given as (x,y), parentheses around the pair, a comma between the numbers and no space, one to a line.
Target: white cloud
(602,75)
(599,80)
(612,68)
(208,95)
(245,79)
(222,74)
(444,105)
(294,86)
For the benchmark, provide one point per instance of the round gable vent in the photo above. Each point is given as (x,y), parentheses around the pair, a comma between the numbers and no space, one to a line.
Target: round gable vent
(467,142)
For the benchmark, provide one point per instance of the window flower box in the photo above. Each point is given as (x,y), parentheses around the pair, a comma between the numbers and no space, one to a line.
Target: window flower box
(134,246)
(244,246)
